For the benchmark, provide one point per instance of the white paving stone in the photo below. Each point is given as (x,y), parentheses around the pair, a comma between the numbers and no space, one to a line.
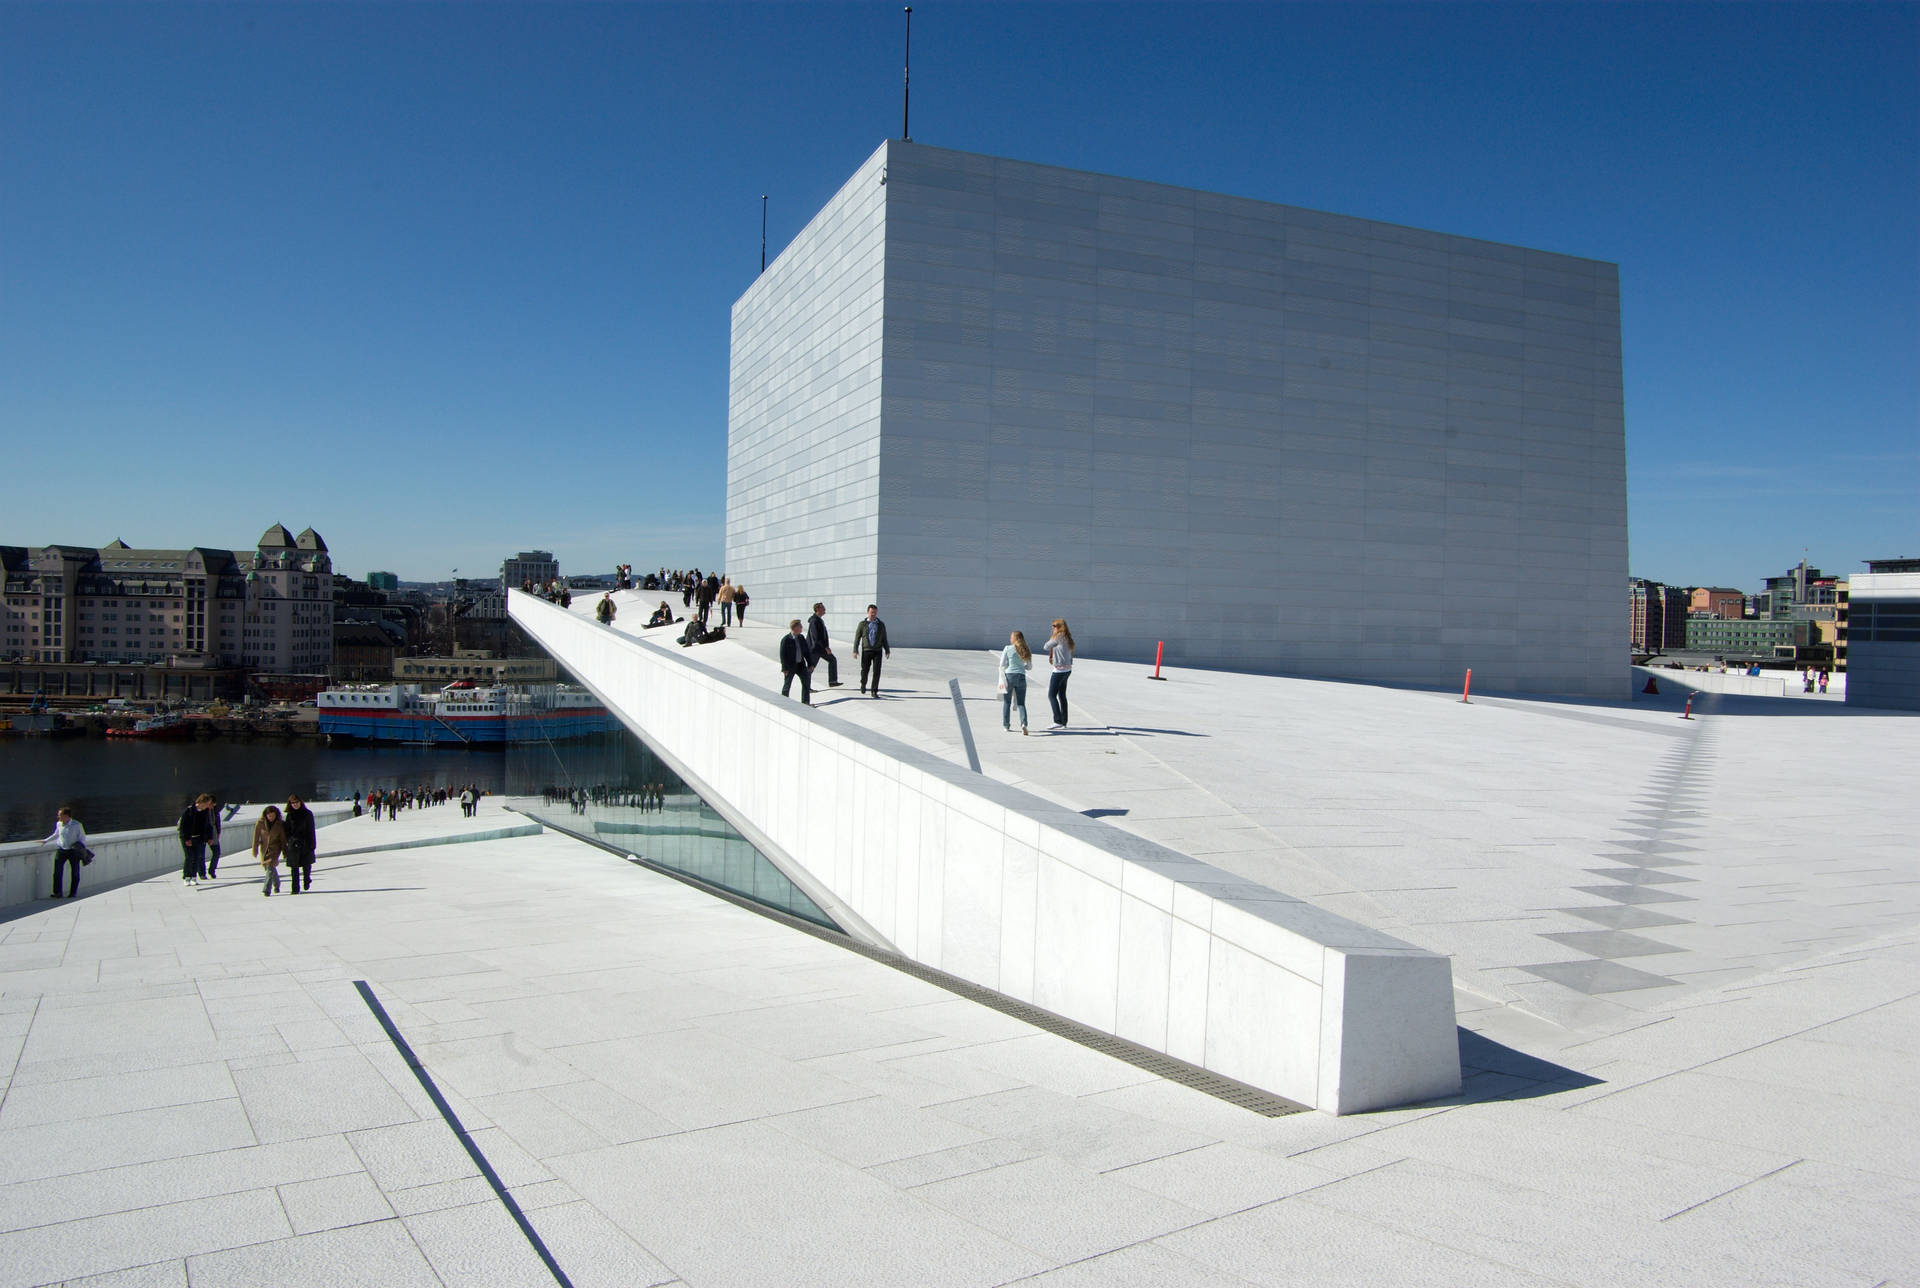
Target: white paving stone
(1743,1127)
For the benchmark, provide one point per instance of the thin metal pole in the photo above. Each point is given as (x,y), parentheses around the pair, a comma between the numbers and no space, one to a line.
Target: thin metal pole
(763,232)
(906,80)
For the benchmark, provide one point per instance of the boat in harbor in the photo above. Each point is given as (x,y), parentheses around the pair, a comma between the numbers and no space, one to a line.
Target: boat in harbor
(170,725)
(462,714)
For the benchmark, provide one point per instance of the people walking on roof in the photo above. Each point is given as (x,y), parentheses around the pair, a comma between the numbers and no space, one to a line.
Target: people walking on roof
(213,837)
(726,595)
(195,828)
(269,842)
(796,659)
(605,609)
(302,841)
(821,646)
(1059,650)
(870,646)
(740,605)
(1015,658)
(69,842)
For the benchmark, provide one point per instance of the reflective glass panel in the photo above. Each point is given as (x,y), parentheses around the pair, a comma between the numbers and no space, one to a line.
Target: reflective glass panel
(611,788)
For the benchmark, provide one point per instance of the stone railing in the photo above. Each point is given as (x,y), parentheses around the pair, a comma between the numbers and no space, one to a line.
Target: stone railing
(26,867)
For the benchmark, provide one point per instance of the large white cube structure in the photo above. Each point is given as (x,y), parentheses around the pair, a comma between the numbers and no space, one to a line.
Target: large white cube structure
(984,393)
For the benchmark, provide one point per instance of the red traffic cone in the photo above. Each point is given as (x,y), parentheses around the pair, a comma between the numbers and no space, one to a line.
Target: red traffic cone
(1651,686)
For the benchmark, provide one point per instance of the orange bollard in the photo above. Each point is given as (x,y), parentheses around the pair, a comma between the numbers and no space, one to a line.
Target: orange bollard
(1159,651)
(1688,713)
(1467,688)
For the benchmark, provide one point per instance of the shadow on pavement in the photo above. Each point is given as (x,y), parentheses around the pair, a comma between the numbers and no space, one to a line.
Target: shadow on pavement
(1491,1070)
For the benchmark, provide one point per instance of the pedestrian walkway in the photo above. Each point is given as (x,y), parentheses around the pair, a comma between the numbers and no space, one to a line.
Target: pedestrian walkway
(1588,865)
(524,1060)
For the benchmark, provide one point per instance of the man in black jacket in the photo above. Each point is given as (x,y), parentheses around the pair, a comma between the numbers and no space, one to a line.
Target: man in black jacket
(301,843)
(796,659)
(821,646)
(870,645)
(196,830)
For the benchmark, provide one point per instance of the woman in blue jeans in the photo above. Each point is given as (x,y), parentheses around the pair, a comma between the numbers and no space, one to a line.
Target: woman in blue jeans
(1059,649)
(1014,660)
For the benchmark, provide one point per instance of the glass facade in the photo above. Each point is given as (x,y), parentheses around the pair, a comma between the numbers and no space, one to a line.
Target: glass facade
(613,790)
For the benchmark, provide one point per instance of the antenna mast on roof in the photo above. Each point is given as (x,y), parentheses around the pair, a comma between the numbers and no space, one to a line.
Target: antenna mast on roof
(906,80)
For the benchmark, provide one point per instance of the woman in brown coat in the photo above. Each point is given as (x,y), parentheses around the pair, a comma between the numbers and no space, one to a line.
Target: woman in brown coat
(269,839)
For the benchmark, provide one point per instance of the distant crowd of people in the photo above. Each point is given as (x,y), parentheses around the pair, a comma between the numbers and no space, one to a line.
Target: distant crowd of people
(389,802)
(555,591)
(700,593)
(646,797)
(663,579)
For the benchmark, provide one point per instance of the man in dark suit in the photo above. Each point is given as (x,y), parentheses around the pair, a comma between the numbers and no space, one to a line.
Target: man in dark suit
(870,646)
(821,646)
(796,659)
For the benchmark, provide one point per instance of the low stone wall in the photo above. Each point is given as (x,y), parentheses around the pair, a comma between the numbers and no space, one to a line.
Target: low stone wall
(26,867)
(1768,684)
(992,884)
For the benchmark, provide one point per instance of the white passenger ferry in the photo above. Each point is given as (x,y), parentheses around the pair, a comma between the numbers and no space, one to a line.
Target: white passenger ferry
(460,714)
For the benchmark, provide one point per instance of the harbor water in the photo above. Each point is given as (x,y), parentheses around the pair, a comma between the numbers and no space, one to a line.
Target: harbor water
(117,784)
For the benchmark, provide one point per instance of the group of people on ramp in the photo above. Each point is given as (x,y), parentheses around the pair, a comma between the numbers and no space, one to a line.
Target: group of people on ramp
(286,836)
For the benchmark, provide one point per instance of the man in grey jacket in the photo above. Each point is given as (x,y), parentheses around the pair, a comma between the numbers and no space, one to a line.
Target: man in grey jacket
(870,646)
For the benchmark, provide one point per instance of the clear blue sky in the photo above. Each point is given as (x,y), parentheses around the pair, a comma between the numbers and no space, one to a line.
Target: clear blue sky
(449,281)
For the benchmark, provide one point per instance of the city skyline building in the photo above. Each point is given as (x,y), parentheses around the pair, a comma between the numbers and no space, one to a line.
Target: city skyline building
(986,393)
(1883,637)
(1718,601)
(1656,616)
(536,566)
(269,609)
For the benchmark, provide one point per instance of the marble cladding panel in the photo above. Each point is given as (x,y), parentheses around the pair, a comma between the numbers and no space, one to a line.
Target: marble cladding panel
(804,416)
(1145,407)
(1016,894)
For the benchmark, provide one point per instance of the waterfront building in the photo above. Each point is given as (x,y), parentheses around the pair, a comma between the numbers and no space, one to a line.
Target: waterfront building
(536,566)
(1656,616)
(1717,601)
(1754,638)
(1883,638)
(477,600)
(1801,589)
(985,393)
(363,651)
(265,609)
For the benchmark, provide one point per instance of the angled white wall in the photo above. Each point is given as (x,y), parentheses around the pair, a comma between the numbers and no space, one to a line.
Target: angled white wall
(1034,901)
(1275,438)
(803,418)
